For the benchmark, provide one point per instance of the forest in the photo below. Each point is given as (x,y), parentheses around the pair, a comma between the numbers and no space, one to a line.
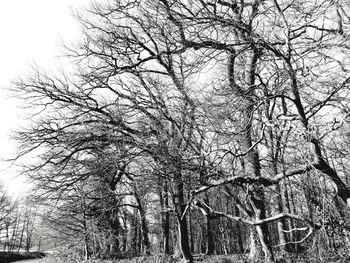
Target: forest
(195,127)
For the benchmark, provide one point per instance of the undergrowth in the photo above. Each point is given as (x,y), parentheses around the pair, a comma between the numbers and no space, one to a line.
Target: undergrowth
(236,258)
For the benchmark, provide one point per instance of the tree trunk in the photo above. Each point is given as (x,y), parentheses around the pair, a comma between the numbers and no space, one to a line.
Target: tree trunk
(262,230)
(277,207)
(6,238)
(209,233)
(21,238)
(14,235)
(39,245)
(125,231)
(165,217)
(238,232)
(87,251)
(254,251)
(181,217)
(252,162)
(133,234)
(144,227)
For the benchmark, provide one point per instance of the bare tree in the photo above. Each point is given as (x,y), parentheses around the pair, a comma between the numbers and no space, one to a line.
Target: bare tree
(238,96)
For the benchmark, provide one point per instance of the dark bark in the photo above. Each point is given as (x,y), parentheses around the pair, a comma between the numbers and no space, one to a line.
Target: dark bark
(210,249)
(133,234)
(165,216)
(6,243)
(180,206)
(144,227)
(21,238)
(239,233)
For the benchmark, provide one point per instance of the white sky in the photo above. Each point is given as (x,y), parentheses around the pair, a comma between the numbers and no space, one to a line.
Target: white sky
(31,32)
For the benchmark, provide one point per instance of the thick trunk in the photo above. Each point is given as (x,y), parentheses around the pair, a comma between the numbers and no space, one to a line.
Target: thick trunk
(165,217)
(7,238)
(138,238)
(209,233)
(210,237)
(286,207)
(257,194)
(277,208)
(184,240)
(262,230)
(252,162)
(166,243)
(293,224)
(191,236)
(87,251)
(21,238)
(190,225)
(254,252)
(282,238)
(239,232)
(29,235)
(133,234)
(114,244)
(125,232)
(265,244)
(14,235)
(39,245)
(181,217)
(144,228)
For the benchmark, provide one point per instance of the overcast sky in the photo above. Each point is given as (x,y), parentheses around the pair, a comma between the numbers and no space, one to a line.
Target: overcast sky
(31,32)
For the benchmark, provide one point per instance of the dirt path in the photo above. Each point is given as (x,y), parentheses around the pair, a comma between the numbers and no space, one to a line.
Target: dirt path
(29,261)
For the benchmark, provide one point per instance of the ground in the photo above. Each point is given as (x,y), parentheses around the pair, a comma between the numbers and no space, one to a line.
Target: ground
(290,258)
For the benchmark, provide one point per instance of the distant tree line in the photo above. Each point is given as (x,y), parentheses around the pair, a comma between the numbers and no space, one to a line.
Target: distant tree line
(17,220)
(196,127)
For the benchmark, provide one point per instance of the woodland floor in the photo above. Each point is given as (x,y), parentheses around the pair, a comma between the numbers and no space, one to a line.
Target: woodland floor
(290,258)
